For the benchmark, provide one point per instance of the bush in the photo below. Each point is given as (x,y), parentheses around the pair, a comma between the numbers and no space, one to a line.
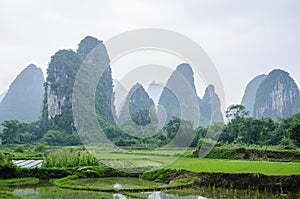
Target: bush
(20,149)
(159,175)
(287,143)
(66,158)
(58,138)
(40,147)
(5,159)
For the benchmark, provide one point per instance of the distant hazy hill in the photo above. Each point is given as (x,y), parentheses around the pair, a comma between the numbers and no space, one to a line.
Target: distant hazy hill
(120,94)
(250,92)
(24,98)
(277,96)
(2,95)
(136,107)
(209,106)
(168,101)
(155,90)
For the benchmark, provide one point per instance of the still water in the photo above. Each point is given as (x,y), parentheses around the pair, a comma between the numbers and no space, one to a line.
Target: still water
(49,191)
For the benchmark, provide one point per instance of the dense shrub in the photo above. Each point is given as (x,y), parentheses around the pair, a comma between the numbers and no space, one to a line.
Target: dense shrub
(41,147)
(159,175)
(19,149)
(5,159)
(66,158)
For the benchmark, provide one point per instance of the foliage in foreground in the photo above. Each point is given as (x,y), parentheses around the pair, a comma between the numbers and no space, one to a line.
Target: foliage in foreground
(69,158)
(18,181)
(5,160)
(8,195)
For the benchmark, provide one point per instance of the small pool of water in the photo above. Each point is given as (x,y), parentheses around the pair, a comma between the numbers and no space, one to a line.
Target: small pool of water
(49,191)
(115,182)
(53,192)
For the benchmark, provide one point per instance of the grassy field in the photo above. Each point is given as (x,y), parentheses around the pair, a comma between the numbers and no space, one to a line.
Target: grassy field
(131,158)
(236,166)
(142,158)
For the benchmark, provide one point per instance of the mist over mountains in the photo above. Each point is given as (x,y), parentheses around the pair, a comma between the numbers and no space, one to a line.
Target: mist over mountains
(250,92)
(24,99)
(29,99)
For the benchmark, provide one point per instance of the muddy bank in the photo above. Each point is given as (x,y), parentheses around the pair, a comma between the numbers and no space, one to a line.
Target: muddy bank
(239,181)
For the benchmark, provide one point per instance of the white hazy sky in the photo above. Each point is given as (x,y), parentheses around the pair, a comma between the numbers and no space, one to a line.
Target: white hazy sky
(243,38)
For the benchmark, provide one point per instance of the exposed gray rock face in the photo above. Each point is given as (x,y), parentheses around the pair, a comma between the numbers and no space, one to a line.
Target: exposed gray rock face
(24,99)
(62,72)
(59,84)
(277,96)
(250,93)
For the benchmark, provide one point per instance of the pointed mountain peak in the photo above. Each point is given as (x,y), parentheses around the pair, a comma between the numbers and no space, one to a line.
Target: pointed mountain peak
(24,98)
(279,72)
(31,66)
(185,69)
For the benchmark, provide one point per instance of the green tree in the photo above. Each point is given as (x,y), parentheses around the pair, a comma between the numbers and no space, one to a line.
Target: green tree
(27,137)
(180,132)
(11,131)
(236,111)
(235,115)
(295,132)
(200,133)
(250,129)
(172,127)
(58,138)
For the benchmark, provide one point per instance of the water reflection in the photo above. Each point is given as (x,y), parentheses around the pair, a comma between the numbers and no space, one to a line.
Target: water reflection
(119,196)
(162,195)
(26,192)
(118,186)
(53,192)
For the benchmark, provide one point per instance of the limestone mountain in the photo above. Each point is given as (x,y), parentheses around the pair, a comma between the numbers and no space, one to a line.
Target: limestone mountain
(104,94)
(168,101)
(61,71)
(277,96)
(210,106)
(248,100)
(23,101)
(137,107)
(183,76)
(59,84)
(86,46)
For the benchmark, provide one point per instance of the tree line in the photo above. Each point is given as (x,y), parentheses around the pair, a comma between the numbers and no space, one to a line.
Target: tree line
(239,128)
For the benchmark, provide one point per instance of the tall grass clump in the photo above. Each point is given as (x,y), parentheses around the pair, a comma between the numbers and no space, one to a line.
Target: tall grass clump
(69,158)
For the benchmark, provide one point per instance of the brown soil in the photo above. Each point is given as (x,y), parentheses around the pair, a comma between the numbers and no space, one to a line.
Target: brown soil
(240,181)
